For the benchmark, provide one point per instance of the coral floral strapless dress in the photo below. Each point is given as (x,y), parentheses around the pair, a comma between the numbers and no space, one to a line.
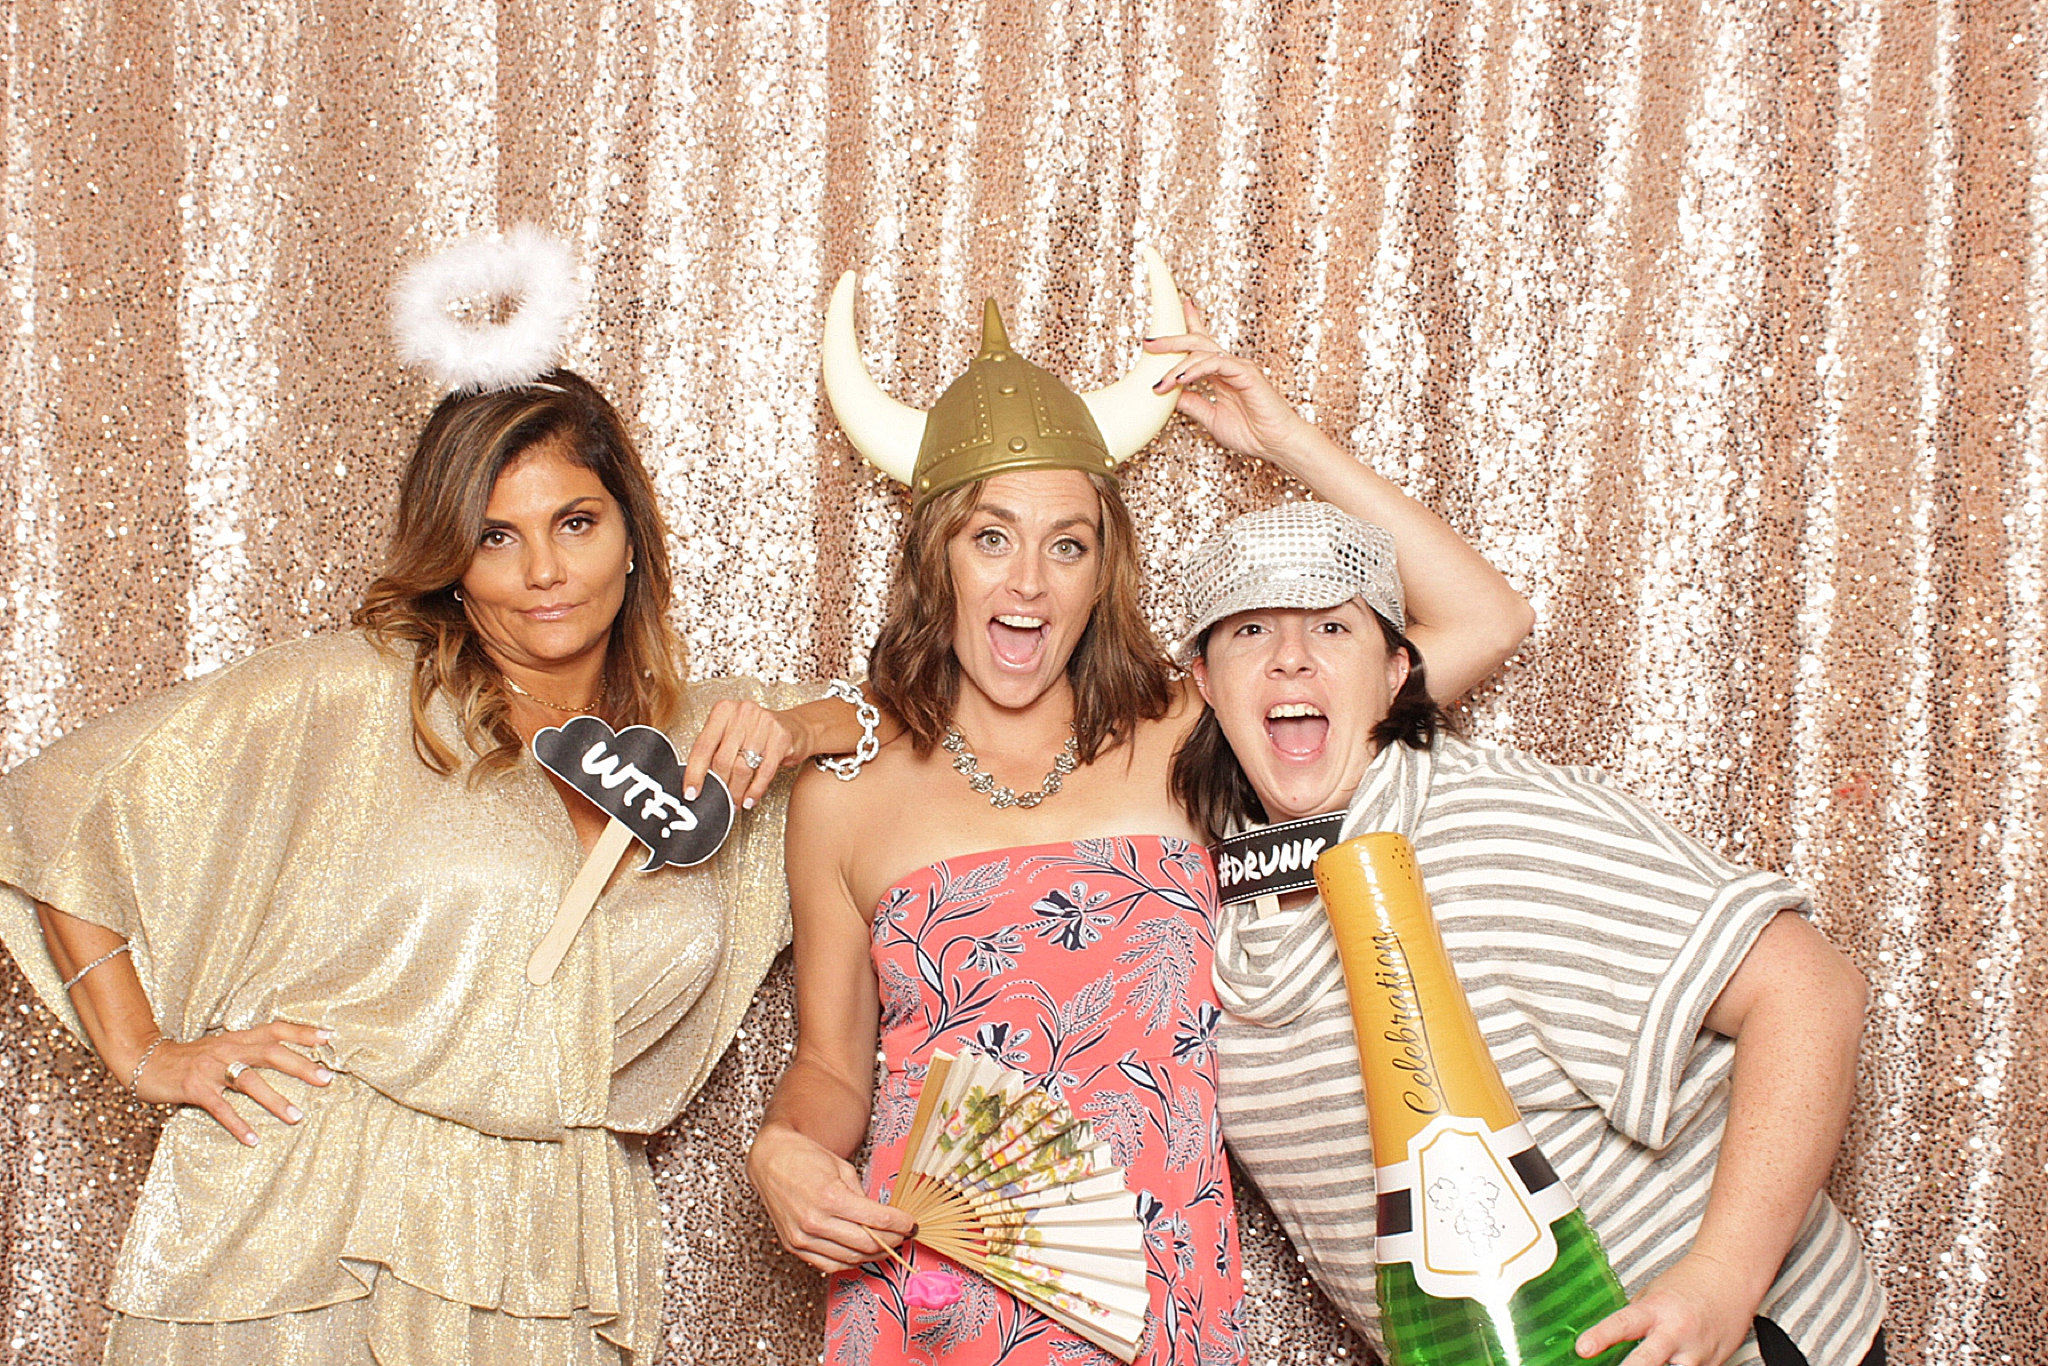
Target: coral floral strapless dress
(1085,965)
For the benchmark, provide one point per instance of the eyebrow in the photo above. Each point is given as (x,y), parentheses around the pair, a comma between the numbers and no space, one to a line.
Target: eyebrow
(573,505)
(1004,514)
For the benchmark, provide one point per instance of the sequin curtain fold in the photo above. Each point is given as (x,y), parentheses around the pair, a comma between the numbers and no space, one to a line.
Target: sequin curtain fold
(1722,327)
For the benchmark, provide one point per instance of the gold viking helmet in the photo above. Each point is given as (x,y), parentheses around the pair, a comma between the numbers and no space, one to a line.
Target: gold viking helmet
(1005,413)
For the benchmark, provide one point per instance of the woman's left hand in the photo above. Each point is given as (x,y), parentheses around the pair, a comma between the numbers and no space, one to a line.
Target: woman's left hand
(1238,405)
(1695,1314)
(745,744)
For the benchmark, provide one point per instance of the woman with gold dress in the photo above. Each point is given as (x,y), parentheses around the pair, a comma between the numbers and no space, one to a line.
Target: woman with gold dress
(295,900)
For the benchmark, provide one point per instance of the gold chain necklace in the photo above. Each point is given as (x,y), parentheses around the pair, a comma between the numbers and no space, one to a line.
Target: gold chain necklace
(584,710)
(966,764)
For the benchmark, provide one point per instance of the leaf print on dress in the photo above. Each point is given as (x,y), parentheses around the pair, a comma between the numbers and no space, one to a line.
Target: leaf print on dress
(894,1107)
(1075,1026)
(900,996)
(1119,1121)
(1005,1043)
(1187,1130)
(855,1311)
(1164,952)
(1194,1042)
(1075,920)
(996,952)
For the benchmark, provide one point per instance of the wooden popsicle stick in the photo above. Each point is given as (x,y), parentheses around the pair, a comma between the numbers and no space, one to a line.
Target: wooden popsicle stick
(582,895)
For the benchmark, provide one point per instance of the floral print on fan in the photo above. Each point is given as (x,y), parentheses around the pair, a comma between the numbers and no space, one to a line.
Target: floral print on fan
(1085,966)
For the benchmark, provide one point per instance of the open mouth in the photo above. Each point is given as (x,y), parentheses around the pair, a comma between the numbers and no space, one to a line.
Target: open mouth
(1017,640)
(1297,729)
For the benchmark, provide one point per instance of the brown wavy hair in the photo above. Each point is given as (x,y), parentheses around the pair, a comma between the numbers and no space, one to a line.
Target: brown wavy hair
(1119,673)
(467,443)
(1210,782)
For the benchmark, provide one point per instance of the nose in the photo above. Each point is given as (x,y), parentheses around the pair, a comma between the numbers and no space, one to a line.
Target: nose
(1290,653)
(545,566)
(1027,576)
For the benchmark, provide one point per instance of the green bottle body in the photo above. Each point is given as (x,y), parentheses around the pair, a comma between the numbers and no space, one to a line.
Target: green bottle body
(1538,1326)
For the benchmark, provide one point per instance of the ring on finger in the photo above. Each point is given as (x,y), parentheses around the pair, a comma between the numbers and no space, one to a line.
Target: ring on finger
(235,1071)
(752,758)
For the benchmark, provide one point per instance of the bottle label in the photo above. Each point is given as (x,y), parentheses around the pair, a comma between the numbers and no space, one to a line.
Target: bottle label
(1470,1209)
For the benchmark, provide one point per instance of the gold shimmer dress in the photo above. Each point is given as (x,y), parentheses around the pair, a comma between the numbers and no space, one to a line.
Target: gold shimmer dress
(473,1186)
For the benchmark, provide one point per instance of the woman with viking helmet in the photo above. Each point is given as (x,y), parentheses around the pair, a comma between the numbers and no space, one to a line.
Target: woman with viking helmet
(1012,874)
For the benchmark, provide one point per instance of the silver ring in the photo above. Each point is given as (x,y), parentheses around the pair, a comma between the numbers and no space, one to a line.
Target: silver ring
(235,1070)
(751,759)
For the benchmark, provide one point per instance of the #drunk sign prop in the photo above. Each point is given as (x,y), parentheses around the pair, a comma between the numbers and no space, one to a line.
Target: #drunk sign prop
(634,777)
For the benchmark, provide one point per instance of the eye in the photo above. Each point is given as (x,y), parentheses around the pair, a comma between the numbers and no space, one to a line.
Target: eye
(991,539)
(496,538)
(1250,628)
(577,523)
(1332,628)
(1068,549)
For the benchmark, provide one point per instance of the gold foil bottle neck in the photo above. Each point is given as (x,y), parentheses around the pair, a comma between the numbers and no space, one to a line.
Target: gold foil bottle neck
(1419,1043)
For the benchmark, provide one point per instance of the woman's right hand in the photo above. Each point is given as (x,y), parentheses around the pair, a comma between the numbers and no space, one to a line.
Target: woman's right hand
(1236,403)
(196,1073)
(814,1199)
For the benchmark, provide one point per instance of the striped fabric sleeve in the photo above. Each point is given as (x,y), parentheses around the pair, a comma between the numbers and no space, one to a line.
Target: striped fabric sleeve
(1598,935)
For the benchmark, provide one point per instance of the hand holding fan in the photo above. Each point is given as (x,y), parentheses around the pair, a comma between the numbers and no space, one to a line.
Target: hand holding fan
(1006,1180)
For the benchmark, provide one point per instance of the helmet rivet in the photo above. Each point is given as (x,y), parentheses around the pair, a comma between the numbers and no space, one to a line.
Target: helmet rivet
(1018,443)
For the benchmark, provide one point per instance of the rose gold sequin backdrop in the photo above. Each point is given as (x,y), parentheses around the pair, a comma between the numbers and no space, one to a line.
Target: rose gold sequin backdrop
(1722,327)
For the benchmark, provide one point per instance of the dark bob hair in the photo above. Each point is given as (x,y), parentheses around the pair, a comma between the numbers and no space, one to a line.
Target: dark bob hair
(1210,782)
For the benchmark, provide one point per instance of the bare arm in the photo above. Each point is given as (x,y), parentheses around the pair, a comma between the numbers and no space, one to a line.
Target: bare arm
(1464,617)
(819,1113)
(123,1031)
(1795,1010)
(782,739)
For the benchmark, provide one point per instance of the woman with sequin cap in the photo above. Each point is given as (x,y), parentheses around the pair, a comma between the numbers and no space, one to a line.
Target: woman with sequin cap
(1012,874)
(1679,1040)
(296,901)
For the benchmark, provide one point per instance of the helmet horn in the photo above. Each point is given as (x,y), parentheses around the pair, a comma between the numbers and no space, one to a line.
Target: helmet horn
(1128,413)
(885,432)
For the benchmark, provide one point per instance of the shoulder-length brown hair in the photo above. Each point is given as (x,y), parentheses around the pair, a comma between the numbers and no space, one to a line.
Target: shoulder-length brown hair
(468,442)
(1119,673)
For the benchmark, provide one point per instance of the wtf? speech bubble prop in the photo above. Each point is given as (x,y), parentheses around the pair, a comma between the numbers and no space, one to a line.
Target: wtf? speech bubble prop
(634,777)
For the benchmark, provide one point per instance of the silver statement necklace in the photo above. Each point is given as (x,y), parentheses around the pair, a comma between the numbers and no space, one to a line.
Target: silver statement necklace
(967,765)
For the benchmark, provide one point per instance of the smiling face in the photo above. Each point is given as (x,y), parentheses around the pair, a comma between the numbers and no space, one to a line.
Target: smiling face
(549,573)
(1298,694)
(1026,569)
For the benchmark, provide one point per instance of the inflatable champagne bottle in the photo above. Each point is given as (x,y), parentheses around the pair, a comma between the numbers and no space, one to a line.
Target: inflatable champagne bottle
(1484,1257)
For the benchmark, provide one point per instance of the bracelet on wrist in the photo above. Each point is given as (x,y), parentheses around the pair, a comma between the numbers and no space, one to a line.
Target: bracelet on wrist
(135,1077)
(869,716)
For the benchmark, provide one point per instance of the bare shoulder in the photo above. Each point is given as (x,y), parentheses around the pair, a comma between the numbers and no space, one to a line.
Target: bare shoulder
(824,807)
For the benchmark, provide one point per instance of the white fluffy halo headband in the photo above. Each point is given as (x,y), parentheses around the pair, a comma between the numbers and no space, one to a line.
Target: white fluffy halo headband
(527,266)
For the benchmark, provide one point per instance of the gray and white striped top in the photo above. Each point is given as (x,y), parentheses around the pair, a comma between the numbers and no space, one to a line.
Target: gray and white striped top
(1591,938)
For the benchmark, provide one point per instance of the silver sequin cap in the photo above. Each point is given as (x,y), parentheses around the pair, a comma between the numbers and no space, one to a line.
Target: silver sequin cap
(1306,555)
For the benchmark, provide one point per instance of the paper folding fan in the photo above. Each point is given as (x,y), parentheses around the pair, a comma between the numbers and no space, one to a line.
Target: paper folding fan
(1005,1179)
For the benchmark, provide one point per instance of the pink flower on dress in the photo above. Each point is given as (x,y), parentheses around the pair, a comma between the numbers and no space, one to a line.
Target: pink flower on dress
(931,1289)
